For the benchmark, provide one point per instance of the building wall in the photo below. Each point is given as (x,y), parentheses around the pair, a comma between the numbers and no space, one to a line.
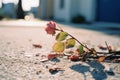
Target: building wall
(64,13)
(74,8)
(49,12)
(42,9)
(87,8)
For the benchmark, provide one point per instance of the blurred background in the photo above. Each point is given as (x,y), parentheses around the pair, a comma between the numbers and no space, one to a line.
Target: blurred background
(76,11)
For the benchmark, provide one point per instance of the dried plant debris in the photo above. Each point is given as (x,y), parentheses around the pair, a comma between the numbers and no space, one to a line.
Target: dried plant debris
(74,58)
(37,45)
(43,58)
(102,47)
(101,59)
(55,70)
(52,56)
(65,41)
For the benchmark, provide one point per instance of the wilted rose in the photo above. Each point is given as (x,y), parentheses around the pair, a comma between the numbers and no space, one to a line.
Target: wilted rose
(51,26)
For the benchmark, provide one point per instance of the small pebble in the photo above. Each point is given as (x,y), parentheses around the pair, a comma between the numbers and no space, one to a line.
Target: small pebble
(35,63)
(37,55)
(8,43)
(53,71)
(38,72)
(46,66)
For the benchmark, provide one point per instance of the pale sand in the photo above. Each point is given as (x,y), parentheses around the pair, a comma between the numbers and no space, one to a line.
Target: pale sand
(18,60)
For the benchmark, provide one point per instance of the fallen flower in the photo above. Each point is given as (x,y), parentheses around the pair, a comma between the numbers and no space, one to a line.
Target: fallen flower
(51,27)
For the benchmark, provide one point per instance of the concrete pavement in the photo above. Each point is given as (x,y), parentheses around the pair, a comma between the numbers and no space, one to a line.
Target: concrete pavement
(18,60)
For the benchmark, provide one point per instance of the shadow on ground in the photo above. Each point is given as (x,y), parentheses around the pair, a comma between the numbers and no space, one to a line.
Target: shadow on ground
(96,69)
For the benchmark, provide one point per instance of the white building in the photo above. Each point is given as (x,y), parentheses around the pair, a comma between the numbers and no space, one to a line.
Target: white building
(92,10)
(67,9)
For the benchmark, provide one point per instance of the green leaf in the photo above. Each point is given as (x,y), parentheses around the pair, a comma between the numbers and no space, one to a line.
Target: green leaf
(58,46)
(70,43)
(61,36)
(80,49)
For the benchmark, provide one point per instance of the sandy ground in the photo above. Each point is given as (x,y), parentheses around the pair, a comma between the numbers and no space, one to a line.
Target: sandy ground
(18,60)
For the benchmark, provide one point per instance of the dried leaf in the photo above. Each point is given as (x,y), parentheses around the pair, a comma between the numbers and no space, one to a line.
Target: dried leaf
(58,47)
(52,56)
(70,43)
(37,45)
(74,57)
(61,36)
(101,59)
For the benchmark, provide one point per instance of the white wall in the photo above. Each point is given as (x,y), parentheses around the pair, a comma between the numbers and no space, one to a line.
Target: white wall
(62,14)
(87,8)
(72,8)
